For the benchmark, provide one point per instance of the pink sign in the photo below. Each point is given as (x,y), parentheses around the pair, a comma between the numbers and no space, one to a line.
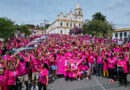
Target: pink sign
(62,62)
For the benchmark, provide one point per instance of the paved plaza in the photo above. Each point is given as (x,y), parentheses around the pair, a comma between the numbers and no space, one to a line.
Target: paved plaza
(96,83)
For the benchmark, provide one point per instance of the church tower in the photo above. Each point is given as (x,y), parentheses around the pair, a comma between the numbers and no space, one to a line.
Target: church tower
(78,13)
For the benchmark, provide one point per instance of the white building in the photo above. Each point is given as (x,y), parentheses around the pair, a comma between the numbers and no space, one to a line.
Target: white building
(63,24)
(121,34)
(36,31)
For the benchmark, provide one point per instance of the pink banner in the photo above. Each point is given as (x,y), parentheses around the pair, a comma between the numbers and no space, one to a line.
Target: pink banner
(60,65)
(62,62)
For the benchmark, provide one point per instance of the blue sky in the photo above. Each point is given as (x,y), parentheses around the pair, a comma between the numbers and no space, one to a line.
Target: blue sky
(35,11)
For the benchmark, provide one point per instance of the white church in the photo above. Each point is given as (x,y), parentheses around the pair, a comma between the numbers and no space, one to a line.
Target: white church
(64,23)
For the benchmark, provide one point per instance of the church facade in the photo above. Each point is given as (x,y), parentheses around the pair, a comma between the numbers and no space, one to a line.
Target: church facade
(64,23)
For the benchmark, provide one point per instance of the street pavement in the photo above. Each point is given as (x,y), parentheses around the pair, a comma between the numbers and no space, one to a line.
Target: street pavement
(96,83)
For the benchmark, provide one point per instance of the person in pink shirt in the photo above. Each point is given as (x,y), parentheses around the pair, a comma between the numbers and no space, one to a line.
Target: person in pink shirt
(53,66)
(99,65)
(43,76)
(75,72)
(3,79)
(122,70)
(105,67)
(12,74)
(35,73)
(68,72)
(91,60)
(22,76)
(84,70)
(111,67)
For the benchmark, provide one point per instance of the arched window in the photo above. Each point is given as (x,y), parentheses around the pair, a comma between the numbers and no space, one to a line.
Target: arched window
(79,12)
(61,24)
(116,35)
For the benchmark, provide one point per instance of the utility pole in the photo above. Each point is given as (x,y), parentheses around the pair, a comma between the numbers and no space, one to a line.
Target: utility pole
(45,22)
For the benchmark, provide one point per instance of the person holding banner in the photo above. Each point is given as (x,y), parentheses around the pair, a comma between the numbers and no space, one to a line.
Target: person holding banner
(68,72)
(75,73)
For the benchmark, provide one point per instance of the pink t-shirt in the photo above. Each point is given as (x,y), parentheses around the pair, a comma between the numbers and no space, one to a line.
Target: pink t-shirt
(42,75)
(68,70)
(83,68)
(22,68)
(3,80)
(123,64)
(12,77)
(34,66)
(91,59)
(111,63)
(99,60)
(105,66)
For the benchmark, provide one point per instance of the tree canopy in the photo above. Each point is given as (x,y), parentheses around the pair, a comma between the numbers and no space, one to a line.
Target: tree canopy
(99,16)
(24,29)
(7,28)
(97,26)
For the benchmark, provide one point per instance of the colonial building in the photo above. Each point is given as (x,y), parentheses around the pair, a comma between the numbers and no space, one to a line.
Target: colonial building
(64,23)
(121,34)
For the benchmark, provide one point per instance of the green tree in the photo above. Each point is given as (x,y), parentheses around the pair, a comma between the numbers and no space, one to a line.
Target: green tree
(46,26)
(24,29)
(30,25)
(7,28)
(98,26)
(37,26)
(99,16)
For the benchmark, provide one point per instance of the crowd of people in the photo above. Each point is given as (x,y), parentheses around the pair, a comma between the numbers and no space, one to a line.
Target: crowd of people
(92,56)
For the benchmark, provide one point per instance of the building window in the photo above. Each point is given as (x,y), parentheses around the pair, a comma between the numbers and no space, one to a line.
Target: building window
(79,25)
(61,31)
(74,24)
(79,12)
(120,35)
(125,34)
(61,24)
(116,35)
(70,24)
(67,24)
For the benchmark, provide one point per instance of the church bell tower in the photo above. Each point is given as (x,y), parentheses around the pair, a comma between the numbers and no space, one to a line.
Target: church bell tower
(78,14)
(78,10)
